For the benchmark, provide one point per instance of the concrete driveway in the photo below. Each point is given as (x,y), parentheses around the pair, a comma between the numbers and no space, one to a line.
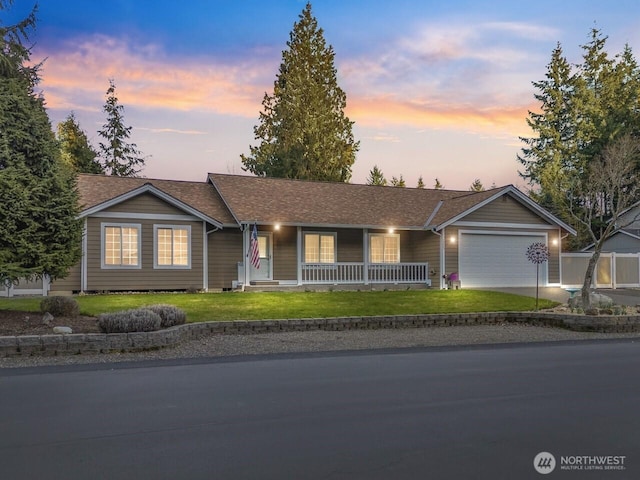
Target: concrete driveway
(620,296)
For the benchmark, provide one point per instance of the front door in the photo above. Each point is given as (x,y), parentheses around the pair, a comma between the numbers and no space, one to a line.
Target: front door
(264,245)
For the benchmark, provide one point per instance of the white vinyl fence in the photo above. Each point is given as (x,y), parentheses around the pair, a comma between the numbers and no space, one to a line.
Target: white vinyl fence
(613,270)
(24,287)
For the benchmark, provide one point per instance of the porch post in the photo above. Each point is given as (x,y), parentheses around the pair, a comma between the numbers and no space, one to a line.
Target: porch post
(365,256)
(245,255)
(443,262)
(299,254)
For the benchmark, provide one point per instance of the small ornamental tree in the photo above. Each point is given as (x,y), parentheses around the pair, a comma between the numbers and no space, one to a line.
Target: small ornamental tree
(537,253)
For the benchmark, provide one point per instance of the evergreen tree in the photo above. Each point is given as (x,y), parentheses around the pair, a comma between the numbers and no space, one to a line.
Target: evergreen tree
(476,186)
(398,182)
(303,132)
(420,182)
(75,150)
(376,177)
(583,110)
(40,234)
(438,185)
(119,158)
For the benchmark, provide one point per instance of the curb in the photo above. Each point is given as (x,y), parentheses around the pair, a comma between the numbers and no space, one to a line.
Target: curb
(74,344)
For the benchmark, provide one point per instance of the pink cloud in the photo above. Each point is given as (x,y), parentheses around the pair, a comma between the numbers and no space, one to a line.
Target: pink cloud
(78,79)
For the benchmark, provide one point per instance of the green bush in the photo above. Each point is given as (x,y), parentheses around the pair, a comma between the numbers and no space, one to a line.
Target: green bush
(60,306)
(137,320)
(169,315)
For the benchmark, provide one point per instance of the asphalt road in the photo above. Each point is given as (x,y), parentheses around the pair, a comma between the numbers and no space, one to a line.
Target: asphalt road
(439,413)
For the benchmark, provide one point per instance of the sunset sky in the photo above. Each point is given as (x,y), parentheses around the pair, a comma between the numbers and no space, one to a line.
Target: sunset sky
(438,89)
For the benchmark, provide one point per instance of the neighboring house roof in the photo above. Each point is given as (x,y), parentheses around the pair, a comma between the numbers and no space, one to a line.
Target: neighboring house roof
(618,232)
(98,192)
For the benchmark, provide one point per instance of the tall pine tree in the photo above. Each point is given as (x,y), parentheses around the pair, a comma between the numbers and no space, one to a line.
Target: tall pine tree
(40,234)
(119,157)
(303,131)
(75,150)
(583,110)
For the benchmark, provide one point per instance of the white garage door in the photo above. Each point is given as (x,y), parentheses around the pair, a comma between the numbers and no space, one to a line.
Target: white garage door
(490,260)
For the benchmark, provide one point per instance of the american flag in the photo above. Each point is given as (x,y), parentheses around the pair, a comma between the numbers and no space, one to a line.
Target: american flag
(254,249)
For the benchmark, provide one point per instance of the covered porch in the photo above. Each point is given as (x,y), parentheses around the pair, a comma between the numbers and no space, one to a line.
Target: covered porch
(296,256)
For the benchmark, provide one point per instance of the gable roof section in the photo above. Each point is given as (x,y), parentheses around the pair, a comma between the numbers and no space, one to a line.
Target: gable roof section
(461,206)
(98,192)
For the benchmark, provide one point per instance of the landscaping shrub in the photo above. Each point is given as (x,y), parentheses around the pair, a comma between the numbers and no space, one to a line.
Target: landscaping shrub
(169,314)
(60,306)
(137,320)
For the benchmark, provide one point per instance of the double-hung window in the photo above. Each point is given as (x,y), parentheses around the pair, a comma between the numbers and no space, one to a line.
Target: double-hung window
(384,248)
(120,245)
(319,247)
(172,246)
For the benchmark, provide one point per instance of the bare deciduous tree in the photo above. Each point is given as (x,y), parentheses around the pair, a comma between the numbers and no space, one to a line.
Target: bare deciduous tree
(612,187)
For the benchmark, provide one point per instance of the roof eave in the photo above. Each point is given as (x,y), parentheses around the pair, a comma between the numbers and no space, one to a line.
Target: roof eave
(510,189)
(149,188)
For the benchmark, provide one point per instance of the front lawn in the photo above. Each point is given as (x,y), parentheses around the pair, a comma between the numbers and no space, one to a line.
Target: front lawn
(282,305)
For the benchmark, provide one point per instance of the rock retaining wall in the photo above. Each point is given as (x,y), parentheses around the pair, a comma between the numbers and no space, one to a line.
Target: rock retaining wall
(73,344)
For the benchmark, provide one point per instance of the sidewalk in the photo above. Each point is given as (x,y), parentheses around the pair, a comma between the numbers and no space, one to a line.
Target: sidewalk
(620,296)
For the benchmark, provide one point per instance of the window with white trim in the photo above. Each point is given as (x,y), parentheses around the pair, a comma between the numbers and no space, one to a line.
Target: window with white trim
(384,248)
(319,247)
(120,245)
(172,246)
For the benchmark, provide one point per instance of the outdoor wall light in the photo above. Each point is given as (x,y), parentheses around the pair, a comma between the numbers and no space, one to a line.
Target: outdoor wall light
(391,230)
(452,239)
(554,242)
(276,227)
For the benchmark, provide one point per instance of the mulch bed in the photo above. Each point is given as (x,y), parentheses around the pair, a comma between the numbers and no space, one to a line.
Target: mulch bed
(14,322)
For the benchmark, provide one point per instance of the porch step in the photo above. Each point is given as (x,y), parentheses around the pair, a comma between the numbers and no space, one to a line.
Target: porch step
(264,283)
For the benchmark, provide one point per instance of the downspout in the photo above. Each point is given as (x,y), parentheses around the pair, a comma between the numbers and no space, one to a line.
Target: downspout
(205,255)
(299,253)
(83,261)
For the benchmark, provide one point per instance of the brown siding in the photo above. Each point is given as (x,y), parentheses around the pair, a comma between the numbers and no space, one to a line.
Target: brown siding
(225,252)
(145,278)
(450,250)
(146,203)
(504,210)
(71,283)
(285,254)
(349,246)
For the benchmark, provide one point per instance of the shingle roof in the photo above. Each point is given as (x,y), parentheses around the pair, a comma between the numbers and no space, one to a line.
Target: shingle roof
(237,199)
(296,202)
(98,189)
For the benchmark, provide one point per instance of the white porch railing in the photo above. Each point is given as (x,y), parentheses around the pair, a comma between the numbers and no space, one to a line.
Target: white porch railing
(356,272)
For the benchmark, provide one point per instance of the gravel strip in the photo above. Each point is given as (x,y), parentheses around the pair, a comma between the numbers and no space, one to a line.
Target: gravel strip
(324,341)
